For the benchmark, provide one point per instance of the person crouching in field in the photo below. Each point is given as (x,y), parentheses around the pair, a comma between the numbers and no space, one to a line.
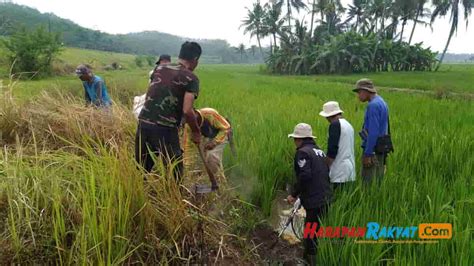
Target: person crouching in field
(94,87)
(312,183)
(375,133)
(216,133)
(340,153)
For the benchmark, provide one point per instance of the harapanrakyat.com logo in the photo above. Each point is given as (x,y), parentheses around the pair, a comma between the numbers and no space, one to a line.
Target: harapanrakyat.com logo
(425,233)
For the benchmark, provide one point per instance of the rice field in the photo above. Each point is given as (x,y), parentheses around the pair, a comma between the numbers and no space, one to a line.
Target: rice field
(70,192)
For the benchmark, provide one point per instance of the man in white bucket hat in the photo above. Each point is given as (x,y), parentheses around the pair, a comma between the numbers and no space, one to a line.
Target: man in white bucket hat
(312,183)
(340,152)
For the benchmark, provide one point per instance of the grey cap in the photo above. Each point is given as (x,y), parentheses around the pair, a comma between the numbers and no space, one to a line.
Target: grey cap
(365,84)
(82,70)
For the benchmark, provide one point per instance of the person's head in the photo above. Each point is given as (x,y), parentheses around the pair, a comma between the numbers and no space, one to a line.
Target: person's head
(84,73)
(301,133)
(365,90)
(164,59)
(331,111)
(190,53)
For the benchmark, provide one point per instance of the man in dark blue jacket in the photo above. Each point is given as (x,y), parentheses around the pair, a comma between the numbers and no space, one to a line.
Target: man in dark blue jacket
(312,182)
(375,126)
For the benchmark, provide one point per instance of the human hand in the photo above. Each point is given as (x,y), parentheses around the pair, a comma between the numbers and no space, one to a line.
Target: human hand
(291,199)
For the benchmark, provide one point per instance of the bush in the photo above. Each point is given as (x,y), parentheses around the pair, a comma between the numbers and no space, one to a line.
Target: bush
(150,60)
(32,53)
(349,52)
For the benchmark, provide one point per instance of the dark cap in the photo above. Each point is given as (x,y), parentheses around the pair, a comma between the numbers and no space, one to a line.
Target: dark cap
(82,70)
(364,84)
(163,57)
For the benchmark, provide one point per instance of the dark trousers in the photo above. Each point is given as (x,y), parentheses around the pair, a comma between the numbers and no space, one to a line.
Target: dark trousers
(376,171)
(160,142)
(313,216)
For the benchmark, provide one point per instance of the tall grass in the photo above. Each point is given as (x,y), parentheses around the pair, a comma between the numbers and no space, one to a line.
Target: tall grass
(428,179)
(71,192)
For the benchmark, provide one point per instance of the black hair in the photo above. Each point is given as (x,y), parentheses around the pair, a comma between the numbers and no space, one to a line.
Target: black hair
(190,51)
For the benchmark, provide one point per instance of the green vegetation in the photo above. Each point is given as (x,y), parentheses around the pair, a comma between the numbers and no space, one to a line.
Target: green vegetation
(70,191)
(31,53)
(450,78)
(13,16)
(369,40)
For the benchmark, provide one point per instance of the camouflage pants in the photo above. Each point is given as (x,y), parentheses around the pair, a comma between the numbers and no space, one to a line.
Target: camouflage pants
(376,171)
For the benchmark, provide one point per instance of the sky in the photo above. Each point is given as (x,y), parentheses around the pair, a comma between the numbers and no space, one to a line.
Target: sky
(210,19)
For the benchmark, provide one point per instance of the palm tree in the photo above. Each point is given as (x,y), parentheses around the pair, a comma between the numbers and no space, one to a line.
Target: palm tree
(252,49)
(320,7)
(272,22)
(442,7)
(253,23)
(241,50)
(313,10)
(421,12)
(406,8)
(379,9)
(357,10)
(332,11)
(296,4)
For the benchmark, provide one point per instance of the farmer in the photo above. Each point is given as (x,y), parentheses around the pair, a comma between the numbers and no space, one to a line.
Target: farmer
(375,127)
(340,153)
(94,87)
(216,134)
(170,96)
(162,60)
(312,183)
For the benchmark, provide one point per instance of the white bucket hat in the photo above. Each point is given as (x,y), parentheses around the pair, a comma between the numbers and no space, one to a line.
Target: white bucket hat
(302,130)
(330,109)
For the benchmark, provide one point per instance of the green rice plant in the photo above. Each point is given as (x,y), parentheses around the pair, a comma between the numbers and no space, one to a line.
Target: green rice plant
(64,184)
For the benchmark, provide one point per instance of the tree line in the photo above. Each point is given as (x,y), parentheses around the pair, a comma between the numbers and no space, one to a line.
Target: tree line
(368,35)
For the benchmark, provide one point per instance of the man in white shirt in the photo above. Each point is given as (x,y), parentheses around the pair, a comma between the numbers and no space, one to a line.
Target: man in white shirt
(340,153)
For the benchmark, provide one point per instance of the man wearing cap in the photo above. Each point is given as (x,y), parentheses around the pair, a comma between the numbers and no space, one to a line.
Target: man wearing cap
(170,97)
(340,153)
(162,60)
(312,183)
(94,87)
(375,126)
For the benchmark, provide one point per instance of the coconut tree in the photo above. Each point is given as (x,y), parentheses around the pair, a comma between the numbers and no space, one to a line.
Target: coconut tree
(421,12)
(290,4)
(241,50)
(253,23)
(252,49)
(357,10)
(442,7)
(272,23)
(406,9)
(379,10)
(333,11)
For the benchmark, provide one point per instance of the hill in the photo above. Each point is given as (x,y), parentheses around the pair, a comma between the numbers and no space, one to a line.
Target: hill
(13,16)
